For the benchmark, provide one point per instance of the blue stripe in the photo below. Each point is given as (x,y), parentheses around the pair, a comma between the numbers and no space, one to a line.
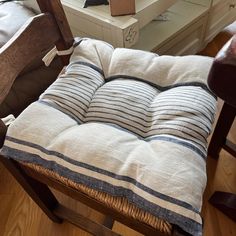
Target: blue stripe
(75,84)
(60,98)
(180,142)
(121,103)
(128,89)
(83,73)
(181,96)
(143,118)
(85,83)
(162,88)
(90,65)
(173,117)
(108,91)
(104,172)
(67,92)
(66,106)
(119,123)
(67,89)
(191,109)
(146,88)
(110,96)
(143,128)
(86,73)
(173,139)
(61,109)
(189,92)
(185,223)
(180,100)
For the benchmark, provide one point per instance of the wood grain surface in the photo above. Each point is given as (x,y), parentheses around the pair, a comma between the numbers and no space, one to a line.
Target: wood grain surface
(36,36)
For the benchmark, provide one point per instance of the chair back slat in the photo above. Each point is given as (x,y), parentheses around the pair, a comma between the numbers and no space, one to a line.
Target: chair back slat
(36,36)
(54,7)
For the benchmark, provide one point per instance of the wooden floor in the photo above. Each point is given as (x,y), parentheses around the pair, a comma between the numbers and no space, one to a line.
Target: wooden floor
(20,216)
(222,177)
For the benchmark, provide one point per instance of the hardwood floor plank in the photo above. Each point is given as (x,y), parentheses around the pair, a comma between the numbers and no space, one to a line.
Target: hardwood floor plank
(7,200)
(7,182)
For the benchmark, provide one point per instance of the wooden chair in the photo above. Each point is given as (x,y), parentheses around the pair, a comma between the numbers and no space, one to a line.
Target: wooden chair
(222,80)
(45,30)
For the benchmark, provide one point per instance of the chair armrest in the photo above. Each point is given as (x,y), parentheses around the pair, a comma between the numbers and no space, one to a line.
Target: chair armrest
(222,76)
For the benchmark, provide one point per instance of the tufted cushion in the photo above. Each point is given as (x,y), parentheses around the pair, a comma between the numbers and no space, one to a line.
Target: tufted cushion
(126,123)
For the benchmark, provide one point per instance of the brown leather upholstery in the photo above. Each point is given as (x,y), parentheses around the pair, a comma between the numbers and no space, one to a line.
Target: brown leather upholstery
(36,77)
(222,77)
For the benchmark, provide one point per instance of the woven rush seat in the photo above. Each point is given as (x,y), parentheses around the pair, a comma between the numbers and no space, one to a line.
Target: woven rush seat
(126,127)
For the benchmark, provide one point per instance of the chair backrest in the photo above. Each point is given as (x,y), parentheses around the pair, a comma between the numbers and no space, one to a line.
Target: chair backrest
(222,76)
(37,35)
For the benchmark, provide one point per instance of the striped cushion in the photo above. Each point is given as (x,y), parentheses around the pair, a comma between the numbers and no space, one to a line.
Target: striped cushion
(136,106)
(127,123)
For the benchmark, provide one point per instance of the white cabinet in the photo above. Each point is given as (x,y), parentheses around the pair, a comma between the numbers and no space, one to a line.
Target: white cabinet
(120,31)
(222,13)
(182,32)
(186,42)
(185,28)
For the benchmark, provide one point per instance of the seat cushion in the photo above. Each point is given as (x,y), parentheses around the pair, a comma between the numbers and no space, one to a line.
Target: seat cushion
(126,123)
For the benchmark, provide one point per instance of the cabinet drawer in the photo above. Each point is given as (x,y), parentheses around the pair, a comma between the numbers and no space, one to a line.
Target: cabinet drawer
(187,42)
(221,15)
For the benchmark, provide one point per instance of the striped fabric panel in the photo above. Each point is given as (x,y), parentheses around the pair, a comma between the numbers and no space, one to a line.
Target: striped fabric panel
(76,67)
(136,183)
(40,156)
(72,93)
(124,103)
(185,113)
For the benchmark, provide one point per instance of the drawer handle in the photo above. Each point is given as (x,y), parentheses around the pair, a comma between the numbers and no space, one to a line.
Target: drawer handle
(232,6)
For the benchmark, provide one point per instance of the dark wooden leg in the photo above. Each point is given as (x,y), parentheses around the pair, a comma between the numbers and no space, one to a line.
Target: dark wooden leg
(225,202)
(83,222)
(3,131)
(230,147)
(108,222)
(38,191)
(221,131)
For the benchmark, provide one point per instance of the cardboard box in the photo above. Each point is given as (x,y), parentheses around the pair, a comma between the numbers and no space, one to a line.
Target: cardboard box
(122,7)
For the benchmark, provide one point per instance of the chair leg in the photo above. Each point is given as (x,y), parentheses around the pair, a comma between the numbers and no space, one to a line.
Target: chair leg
(39,192)
(221,131)
(3,131)
(225,202)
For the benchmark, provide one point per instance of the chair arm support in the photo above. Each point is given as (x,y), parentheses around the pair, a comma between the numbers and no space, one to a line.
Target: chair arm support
(222,76)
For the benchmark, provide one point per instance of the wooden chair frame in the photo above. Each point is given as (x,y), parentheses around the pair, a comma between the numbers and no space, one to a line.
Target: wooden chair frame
(224,66)
(37,35)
